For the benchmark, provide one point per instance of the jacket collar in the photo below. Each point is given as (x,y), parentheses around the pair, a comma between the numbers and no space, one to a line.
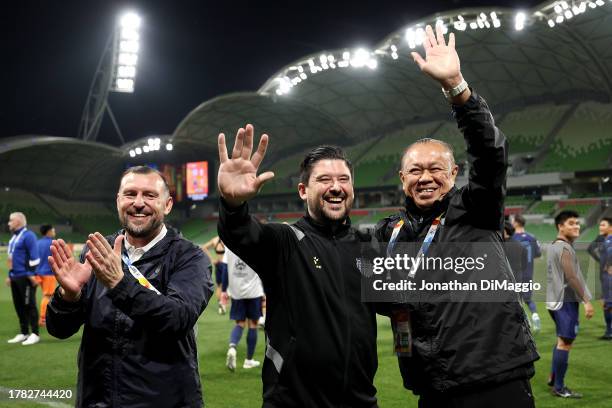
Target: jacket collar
(158,249)
(330,229)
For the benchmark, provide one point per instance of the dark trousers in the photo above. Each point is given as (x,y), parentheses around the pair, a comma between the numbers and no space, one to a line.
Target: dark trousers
(511,394)
(24,299)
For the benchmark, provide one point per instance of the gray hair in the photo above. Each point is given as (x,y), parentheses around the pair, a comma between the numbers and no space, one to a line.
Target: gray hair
(21,216)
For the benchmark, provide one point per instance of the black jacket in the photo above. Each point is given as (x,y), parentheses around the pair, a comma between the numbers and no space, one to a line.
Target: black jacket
(321,349)
(458,345)
(139,348)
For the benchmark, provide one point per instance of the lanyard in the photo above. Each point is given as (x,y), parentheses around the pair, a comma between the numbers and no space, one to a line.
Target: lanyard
(426,242)
(13,242)
(393,239)
(139,276)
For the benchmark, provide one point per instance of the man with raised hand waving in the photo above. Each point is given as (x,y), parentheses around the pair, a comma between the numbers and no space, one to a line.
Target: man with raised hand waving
(321,349)
(468,350)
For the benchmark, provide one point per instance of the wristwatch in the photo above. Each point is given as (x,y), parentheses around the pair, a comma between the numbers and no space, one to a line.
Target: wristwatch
(451,93)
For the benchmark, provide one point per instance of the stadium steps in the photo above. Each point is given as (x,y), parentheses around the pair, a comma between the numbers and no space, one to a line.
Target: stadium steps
(550,138)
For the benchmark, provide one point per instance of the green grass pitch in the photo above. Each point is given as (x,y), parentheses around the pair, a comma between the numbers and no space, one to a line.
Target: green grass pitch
(51,364)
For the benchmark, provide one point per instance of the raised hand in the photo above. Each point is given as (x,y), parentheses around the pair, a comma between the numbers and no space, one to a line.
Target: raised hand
(441,60)
(105,261)
(70,273)
(237,179)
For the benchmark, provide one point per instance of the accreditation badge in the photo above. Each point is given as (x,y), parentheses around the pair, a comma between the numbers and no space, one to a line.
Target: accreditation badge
(402,332)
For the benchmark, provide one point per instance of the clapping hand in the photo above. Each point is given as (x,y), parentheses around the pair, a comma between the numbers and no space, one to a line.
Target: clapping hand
(70,273)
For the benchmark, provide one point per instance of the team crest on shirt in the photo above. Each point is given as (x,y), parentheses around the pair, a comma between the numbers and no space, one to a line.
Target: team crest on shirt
(316,263)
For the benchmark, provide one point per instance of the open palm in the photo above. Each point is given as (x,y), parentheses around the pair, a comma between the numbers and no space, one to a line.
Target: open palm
(237,179)
(70,273)
(441,60)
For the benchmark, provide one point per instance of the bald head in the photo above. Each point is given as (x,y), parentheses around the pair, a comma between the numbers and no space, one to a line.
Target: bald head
(444,148)
(17,220)
(428,171)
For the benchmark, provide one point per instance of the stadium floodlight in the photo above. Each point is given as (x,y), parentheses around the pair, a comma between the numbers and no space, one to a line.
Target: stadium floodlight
(360,58)
(473,25)
(411,38)
(558,8)
(169,146)
(132,153)
(592,5)
(559,19)
(519,21)
(138,150)
(125,50)
(116,72)
(599,2)
(145,149)
(460,24)
(551,23)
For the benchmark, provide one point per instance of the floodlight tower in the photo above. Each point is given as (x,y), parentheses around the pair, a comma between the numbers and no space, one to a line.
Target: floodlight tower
(116,72)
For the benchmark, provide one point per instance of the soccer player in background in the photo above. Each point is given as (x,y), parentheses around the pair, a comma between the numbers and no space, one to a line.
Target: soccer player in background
(220,269)
(606,278)
(44,274)
(566,289)
(515,252)
(598,249)
(530,243)
(595,247)
(244,287)
(22,262)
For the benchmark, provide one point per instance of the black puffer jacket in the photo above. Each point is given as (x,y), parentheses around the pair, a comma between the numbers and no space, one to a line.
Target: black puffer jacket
(321,350)
(462,344)
(139,348)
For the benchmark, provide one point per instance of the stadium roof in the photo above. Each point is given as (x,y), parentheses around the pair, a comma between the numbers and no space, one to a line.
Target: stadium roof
(556,52)
(345,96)
(61,166)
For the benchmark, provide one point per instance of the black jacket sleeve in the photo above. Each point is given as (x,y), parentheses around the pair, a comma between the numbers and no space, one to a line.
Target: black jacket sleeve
(187,293)
(487,152)
(255,243)
(65,318)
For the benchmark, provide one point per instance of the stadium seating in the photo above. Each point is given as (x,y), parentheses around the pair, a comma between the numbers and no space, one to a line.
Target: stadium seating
(584,142)
(35,210)
(543,207)
(526,129)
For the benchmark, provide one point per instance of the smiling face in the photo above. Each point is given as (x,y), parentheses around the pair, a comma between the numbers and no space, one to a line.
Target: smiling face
(428,173)
(142,203)
(569,229)
(329,192)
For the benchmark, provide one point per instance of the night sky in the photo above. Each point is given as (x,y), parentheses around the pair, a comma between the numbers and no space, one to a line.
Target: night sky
(191,51)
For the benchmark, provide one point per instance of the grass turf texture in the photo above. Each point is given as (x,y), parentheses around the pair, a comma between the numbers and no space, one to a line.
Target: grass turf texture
(51,364)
